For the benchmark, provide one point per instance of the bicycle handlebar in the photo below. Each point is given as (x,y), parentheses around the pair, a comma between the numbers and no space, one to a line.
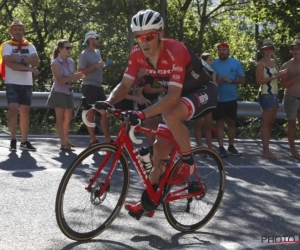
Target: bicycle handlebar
(116,113)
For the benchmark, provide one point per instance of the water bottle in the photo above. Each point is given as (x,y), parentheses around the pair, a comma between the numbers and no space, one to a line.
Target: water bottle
(145,159)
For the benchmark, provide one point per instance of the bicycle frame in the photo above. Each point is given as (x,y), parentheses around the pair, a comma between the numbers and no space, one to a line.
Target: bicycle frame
(123,140)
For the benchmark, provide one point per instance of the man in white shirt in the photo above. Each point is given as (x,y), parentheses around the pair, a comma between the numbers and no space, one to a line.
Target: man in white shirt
(19,57)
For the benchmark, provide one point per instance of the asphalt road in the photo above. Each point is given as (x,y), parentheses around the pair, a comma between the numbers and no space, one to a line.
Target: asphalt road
(261,200)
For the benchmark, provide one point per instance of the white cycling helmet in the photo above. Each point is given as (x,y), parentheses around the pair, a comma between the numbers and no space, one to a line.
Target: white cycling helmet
(147,20)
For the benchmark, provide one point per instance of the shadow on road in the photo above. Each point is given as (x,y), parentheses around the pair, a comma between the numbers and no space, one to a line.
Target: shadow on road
(97,244)
(25,164)
(65,158)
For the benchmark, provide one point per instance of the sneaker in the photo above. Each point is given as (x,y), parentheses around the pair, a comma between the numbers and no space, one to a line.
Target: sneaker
(27,146)
(233,151)
(13,145)
(136,208)
(181,174)
(222,152)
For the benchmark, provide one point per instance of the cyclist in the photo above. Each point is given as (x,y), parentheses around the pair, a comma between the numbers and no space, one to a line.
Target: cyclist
(191,92)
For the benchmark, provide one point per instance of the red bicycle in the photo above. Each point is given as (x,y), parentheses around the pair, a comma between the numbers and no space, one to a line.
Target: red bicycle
(94,188)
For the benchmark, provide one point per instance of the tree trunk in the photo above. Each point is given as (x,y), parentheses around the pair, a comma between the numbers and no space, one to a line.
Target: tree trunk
(201,35)
(256,40)
(131,12)
(203,21)
(163,12)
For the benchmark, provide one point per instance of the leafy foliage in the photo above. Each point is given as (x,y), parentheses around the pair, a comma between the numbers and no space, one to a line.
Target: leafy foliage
(200,24)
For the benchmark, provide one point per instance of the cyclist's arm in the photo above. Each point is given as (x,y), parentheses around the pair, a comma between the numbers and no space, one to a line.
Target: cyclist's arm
(120,91)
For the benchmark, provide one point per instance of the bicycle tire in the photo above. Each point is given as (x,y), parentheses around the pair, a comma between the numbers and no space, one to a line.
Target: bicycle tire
(59,206)
(169,214)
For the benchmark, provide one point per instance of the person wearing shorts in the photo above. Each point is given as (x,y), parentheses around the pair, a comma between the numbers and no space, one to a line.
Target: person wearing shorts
(291,101)
(267,77)
(91,65)
(150,89)
(190,93)
(18,58)
(230,74)
(61,95)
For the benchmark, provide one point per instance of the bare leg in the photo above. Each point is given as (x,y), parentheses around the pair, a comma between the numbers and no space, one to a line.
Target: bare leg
(231,130)
(173,119)
(105,127)
(162,148)
(197,130)
(91,118)
(291,137)
(268,118)
(13,111)
(24,121)
(68,113)
(220,131)
(207,127)
(59,115)
(151,123)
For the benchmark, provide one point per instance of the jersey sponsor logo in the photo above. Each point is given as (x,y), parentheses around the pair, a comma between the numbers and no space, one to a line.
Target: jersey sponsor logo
(176,77)
(194,74)
(170,55)
(164,62)
(177,68)
(203,98)
(159,72)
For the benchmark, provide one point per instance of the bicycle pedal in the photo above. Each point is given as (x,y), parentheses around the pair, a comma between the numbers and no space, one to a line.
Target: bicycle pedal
(136,216)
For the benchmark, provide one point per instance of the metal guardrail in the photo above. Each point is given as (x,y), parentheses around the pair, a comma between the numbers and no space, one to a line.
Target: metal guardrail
(245,109)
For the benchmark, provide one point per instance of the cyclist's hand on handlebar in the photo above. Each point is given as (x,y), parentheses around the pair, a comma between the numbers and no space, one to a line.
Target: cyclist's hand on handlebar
(103,105)
(135,117)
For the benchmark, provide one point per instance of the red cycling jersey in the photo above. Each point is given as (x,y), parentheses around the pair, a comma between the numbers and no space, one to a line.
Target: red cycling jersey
(176,66)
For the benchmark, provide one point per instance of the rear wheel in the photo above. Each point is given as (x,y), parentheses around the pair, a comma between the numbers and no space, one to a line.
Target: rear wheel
(82,214)
(190,214)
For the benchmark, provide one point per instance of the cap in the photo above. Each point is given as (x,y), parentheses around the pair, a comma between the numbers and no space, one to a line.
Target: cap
(268,43)
(295,43)
(223,45)
(88,35)
(16,22)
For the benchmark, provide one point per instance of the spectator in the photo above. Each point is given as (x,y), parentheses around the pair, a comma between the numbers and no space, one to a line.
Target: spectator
(208,117)
(267,77)
(291,100)
(150,89)
(91,65)
(17,57)
(128,102)
(61,95)
(230,74)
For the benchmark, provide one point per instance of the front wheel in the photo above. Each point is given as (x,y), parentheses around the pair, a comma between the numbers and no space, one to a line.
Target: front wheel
(190,214)
(83,214)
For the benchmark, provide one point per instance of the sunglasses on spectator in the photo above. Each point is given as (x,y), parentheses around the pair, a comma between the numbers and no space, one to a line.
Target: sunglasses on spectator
(146,37)
(68,48)
(96,38)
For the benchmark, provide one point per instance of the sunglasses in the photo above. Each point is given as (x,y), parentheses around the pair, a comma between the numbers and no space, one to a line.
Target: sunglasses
(97,38)
(146,37)
(68,48)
